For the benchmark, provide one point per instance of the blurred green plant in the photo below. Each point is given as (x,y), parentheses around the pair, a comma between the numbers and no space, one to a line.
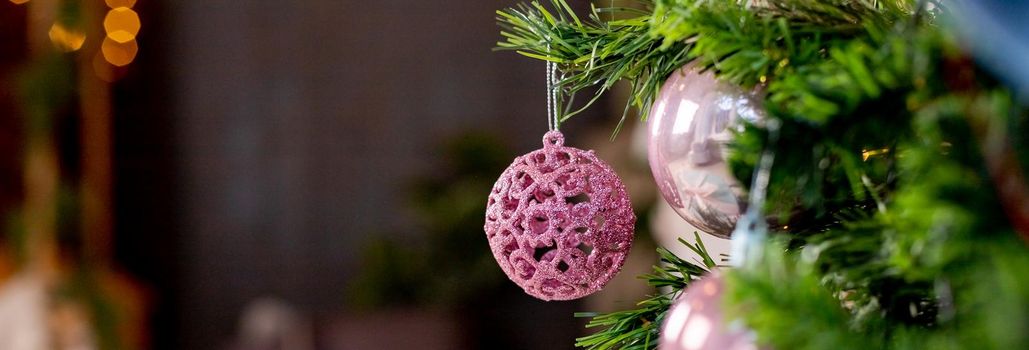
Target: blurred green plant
(48,96)
(451,261)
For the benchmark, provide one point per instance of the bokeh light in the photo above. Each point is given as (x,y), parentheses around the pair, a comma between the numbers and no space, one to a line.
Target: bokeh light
(19,2)
(122,24)
(120,3)
(119,54)
(65,39)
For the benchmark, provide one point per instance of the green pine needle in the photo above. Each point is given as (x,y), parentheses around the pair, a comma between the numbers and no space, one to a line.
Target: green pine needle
(638,328)
(594,54)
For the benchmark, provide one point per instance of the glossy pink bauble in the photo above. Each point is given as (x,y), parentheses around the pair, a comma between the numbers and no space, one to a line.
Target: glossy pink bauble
(696,321)
(559,221)
(690,123)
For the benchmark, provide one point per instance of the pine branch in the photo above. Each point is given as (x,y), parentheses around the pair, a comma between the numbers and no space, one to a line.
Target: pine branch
(910,273)
(749,44)
(855,99)
(643,45)
(595,52)
(639,328)
(783,300)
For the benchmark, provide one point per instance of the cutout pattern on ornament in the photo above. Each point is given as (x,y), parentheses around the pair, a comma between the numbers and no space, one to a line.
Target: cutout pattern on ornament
(559,221)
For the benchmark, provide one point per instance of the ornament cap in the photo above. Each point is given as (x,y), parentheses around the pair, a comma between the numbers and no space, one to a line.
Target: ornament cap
(553,138)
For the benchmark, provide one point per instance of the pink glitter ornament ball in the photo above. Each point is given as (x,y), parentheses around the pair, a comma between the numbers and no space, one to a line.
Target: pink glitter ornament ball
(559,221)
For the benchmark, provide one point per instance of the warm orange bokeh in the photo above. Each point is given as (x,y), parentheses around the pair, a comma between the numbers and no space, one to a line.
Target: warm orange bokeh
(122,24)
(120,3)
(66,39)
(119,54)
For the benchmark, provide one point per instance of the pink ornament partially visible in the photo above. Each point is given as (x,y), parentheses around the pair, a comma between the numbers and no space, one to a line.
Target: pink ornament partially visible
(559,221)
(690,123)
(696,321)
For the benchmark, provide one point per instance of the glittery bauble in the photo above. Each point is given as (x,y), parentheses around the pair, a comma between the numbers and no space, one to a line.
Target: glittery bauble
(696,321)
(690,124)
(559,221)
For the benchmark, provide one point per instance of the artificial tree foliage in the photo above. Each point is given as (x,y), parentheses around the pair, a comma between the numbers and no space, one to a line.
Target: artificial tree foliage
(899,182)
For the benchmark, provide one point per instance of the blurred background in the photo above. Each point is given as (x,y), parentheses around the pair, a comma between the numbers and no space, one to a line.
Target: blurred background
(277,175)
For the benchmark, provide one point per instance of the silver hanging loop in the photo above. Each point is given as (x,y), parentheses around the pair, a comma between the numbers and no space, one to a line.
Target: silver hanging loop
(553,118)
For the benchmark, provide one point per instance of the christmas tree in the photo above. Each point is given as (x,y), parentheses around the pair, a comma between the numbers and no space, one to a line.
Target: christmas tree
(889,167)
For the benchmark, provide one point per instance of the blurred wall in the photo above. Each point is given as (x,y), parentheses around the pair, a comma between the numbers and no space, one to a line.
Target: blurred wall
(294,125)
